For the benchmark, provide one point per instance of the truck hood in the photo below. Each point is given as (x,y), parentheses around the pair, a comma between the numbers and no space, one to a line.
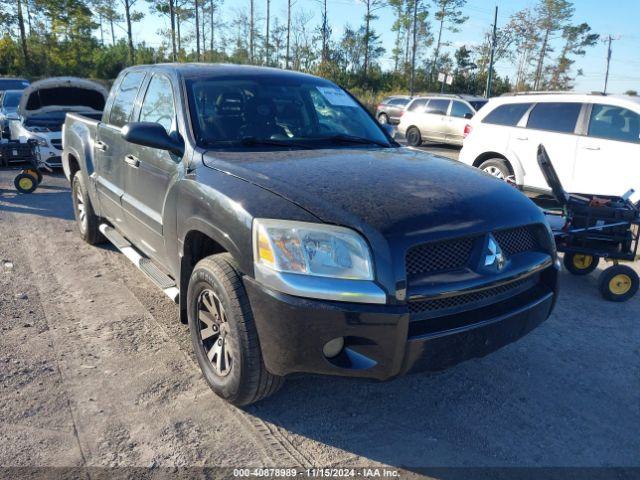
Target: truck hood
(391,190)
(68,94)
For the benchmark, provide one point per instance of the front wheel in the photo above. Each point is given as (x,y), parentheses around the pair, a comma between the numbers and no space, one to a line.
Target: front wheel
(580,264)
(414,137)
(224,335)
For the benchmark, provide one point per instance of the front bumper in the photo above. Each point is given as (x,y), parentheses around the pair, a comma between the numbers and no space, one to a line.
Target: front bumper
(384,341)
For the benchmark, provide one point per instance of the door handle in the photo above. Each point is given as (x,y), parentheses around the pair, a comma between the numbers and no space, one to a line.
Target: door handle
(101,146)
(592,148)
(522,138)
(132,161)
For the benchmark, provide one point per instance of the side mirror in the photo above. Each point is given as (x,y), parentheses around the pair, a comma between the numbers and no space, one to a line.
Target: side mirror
(468,115)
(149,134)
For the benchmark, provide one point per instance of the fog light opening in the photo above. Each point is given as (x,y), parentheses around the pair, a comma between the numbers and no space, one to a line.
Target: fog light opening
(333,347)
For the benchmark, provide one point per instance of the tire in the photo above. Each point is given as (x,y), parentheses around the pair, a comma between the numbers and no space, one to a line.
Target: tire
(496,167)
(383,119)
(87,221)
(580,264)
(35,173)
(414,137)
(25,183)
(223,333)
(618,283)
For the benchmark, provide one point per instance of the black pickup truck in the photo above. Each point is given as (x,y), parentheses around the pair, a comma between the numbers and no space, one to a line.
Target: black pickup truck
(297,235)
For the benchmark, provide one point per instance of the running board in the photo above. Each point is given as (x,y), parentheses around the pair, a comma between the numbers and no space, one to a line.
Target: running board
(144,264)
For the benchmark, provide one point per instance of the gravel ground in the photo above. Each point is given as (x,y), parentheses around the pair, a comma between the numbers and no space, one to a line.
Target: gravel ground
(96,370)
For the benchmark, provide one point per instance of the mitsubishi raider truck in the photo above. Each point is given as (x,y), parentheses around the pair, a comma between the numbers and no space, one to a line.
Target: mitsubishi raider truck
(296,235)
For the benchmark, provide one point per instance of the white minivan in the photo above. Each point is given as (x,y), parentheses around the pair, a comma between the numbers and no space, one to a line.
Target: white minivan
(593,140)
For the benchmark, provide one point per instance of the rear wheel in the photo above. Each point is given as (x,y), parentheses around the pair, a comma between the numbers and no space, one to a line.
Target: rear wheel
(618,283)
(414,137)
(580,264)
(224,335)
(25,183)
(86,219)
(383,119)
(496,167)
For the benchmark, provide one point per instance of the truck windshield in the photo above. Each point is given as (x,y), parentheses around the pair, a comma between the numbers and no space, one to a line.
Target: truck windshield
(250,111)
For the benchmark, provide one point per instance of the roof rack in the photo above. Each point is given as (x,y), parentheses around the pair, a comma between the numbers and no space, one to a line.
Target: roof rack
(551,92)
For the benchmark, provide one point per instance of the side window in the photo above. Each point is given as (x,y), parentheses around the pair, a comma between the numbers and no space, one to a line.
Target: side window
(418,105)
(459,109)
(125,96)
(158,105)
(509,114)
(614,123)
(555,117)
(437,106)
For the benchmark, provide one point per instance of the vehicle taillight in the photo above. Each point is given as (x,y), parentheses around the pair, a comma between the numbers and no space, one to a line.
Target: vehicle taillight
(402,113)
(467,130)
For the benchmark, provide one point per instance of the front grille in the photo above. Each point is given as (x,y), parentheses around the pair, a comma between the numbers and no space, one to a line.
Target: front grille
(466,298)
(517,240)
(442,256)
(439,256)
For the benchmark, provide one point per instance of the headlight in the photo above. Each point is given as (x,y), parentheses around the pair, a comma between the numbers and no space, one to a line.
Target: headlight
(311,249)
(40,141)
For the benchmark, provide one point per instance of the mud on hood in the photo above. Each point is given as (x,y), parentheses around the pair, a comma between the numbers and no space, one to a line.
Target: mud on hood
(393,190)
(62,94)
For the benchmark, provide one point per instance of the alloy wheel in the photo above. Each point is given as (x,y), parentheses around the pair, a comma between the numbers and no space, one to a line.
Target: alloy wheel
(214,332)
(495,171)
(81,211)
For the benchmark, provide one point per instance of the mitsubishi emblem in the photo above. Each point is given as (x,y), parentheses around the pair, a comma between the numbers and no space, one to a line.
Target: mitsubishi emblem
(493,255)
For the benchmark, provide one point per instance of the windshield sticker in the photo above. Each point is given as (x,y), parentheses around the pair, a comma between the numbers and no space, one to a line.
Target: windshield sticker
(337,97)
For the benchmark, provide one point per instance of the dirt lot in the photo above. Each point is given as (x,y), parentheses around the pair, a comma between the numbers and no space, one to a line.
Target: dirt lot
(95,369)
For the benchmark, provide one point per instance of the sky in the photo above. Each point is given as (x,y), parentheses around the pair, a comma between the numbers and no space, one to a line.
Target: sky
(618,18)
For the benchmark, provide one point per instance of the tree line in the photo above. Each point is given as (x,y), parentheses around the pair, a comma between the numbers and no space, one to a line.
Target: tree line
(94,38)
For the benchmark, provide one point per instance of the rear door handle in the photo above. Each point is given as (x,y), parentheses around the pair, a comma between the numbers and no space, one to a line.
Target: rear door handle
(522,138)
(132,161)
(592,148)
(101,146)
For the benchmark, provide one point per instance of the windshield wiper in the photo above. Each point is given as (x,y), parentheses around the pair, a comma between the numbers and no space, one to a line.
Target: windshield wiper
(343,137)
(270,141)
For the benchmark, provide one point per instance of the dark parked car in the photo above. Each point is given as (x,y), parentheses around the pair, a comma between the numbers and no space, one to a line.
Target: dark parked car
(391,108)
(9,100)
(9,83)
(296,235)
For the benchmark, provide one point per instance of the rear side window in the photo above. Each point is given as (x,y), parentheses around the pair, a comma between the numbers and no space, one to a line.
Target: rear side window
(438,107)
(459,109)
(158,105)
(614,123)
(125,96)
(399,102)
(509,114)
(555,117)
(417,105)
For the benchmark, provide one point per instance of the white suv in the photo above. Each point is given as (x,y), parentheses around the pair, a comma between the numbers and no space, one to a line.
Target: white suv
(592,139)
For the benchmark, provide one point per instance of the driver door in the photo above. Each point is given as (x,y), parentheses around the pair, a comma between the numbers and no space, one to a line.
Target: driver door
(150,172)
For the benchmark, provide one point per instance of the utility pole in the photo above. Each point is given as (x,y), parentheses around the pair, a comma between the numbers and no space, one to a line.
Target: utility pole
(493,52)
(609,39)
(286,63)
(413,48)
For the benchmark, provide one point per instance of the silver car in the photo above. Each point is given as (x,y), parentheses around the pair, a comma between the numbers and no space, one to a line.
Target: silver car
(438,118)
